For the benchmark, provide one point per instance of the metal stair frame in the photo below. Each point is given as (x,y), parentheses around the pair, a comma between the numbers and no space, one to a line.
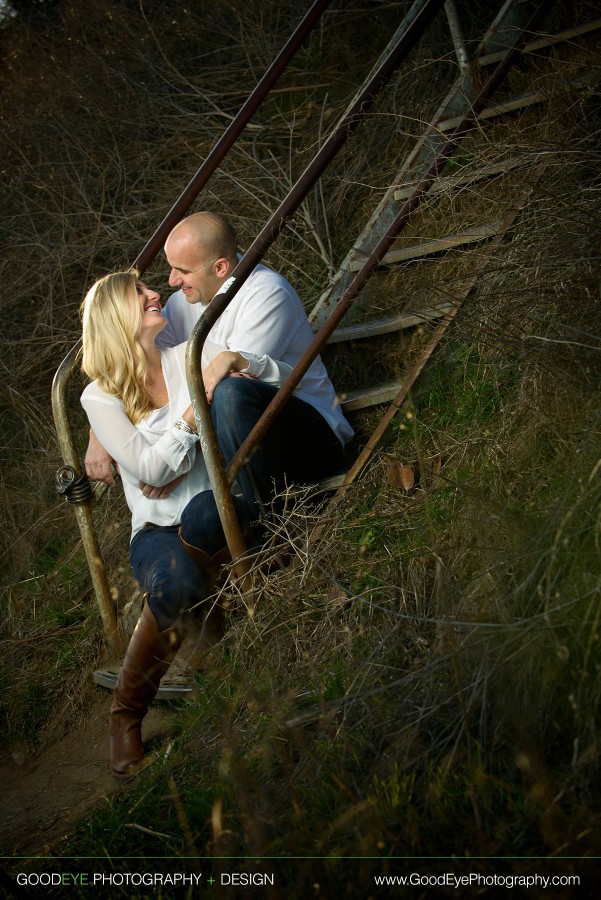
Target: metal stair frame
(425,157)
(457,104)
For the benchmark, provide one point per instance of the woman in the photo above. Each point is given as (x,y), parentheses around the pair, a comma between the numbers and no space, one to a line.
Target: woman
(139,407)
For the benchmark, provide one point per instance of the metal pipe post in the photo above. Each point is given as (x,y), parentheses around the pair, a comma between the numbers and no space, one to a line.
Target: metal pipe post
(418,18)
(83,511)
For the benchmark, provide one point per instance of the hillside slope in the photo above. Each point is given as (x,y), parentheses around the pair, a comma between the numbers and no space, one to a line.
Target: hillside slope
(421,681)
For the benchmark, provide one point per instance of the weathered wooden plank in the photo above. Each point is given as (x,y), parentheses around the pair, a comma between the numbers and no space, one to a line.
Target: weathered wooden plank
(498,109)
(479,233)
(171,688)
(389,324)
(542,42)
(382,393)
(467,177)
(329,484)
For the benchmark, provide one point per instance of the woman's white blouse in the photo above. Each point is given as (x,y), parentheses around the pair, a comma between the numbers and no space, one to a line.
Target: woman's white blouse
(154,451)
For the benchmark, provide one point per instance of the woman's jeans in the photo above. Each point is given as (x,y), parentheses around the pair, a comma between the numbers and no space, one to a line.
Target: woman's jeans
(299,447)
(163,568)
(167,573)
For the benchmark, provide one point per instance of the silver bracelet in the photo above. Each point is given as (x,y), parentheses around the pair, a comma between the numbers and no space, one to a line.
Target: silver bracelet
(183,426)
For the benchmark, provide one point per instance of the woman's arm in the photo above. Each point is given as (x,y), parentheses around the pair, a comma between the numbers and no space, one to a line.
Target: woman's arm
(155,463)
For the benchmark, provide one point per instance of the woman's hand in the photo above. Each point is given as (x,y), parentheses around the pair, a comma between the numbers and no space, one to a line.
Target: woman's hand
(226,363)
(159,493)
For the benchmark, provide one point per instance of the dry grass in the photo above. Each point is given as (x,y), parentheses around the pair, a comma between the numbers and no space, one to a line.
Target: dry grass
(423,676)
(106,119)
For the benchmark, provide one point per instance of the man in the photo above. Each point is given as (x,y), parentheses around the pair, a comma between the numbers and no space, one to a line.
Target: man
(264,322)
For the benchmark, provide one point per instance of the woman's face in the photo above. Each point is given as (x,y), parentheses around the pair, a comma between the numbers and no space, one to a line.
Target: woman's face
(150,307)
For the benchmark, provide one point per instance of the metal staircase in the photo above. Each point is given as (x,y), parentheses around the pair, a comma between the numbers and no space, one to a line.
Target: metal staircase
(420,178)
(411,176)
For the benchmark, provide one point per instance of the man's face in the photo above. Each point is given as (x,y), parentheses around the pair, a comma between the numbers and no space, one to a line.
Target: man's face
(199,278)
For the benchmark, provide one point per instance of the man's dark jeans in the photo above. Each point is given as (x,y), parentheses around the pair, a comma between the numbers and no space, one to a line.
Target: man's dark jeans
(300,446)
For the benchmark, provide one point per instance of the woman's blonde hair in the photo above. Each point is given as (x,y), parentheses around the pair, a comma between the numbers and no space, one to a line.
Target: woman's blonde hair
(112,354)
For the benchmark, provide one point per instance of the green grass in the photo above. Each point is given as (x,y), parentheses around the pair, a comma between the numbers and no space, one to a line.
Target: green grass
(57,629)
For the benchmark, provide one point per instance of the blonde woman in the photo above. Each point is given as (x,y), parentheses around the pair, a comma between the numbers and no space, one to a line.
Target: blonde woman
(139,407)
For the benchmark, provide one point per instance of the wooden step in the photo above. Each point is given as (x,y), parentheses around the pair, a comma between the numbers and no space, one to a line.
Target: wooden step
(498,109)
(547,41)
(428,248)
(473,176)
(328,484)
(172,687)
(390,324)
(382,393)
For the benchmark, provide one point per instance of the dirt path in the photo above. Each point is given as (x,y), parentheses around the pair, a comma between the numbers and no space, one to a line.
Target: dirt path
(42,796)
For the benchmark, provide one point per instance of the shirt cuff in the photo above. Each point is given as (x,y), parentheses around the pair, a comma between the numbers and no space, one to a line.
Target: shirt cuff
(256,364)
(183,438)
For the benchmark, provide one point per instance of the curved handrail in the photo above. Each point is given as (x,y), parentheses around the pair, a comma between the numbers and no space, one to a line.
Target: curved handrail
(416,21)
(64,372)
(83,511)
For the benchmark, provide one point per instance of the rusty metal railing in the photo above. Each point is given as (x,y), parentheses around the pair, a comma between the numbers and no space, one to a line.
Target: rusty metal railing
(417,20)
(415,23)
(64,373)
(222,480)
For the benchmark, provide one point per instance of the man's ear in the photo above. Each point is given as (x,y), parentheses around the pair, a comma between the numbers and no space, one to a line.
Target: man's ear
(222,267)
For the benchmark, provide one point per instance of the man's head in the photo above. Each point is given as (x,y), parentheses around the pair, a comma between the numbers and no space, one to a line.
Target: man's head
(201,251)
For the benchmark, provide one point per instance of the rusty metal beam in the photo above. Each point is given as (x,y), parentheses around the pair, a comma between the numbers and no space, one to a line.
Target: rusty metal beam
(65,371)
(372,262)
(417,20)
(230,135)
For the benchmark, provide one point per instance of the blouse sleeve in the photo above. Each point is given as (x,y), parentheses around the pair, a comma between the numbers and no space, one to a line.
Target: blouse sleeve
(155,462)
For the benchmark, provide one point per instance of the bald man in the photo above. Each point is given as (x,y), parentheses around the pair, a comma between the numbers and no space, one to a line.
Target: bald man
(265,325)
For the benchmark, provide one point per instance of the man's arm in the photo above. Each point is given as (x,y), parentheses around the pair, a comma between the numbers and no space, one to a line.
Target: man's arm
(244,364)
(98,463)
(221,366)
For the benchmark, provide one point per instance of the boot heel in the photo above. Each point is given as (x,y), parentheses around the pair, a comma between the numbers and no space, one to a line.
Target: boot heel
(148,657)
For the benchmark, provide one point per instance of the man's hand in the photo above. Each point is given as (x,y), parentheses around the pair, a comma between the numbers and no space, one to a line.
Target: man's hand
(98,463)
(228,362)
(159,493)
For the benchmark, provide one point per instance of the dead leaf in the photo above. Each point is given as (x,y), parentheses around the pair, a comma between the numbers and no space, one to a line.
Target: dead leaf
(401,477)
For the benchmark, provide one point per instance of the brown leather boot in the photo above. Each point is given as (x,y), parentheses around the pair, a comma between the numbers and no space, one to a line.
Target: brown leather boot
(149,655)
(213,625)
(210,566)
